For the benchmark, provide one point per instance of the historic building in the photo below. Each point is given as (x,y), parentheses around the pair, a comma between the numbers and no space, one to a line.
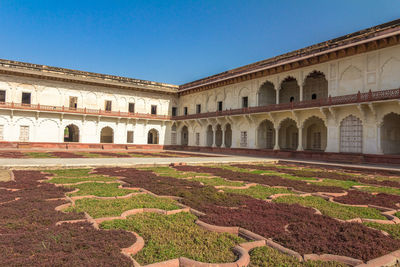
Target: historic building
(338,96)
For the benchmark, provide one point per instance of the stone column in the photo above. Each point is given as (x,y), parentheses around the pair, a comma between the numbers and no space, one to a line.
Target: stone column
(301,92)
(300,141)
(223,138)
(379,138)
(214,137)
(276,147)
(277,96)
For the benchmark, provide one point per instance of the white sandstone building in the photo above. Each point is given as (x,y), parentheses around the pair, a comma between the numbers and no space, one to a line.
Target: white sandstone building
(339,96)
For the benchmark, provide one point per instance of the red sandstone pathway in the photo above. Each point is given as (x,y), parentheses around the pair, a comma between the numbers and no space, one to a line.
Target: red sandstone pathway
(124,162)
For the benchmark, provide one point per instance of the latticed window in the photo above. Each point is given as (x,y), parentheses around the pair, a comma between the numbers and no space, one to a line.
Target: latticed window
(173,138)
(129,137)
(351,132)
(1,132)
(243,139)
(107,105)
(197,139)
(316,140)
(24,133)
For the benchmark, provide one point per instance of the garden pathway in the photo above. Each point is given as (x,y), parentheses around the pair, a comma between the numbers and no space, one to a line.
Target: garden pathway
(96,162)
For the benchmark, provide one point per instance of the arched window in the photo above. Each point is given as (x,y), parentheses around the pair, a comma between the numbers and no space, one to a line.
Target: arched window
(266,94)
(315,86)
(290,90)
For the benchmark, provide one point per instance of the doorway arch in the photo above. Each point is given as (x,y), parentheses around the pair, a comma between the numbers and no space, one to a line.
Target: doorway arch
(390,134)
(152,137)
(107,135)
(184,136)
(71,133)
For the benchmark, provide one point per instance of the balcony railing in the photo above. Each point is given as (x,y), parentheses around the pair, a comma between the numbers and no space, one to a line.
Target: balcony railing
(330,101)
(323,102)
(98,112)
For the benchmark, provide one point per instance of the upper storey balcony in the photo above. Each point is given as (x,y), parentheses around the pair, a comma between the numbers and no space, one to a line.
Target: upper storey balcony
(370,96)
(81,111)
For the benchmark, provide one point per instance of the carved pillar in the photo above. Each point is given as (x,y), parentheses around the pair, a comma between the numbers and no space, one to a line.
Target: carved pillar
(379,138)
(301,92)
(223,137)
(276,147)
(214,136)
(300,141)
(277,96)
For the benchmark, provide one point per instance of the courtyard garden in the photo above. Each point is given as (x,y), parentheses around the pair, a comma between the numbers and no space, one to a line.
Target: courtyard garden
(97,154)
(244,214)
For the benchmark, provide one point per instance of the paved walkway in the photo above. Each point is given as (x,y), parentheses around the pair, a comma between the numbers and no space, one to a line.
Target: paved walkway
(124,162)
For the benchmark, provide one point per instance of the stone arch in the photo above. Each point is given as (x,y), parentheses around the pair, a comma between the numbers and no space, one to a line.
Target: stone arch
(6,87)
(315,86)
(152,136)
(351,135)
(266,94)
(91,100)
(266,135)
(351,81)
(288,134)
(315,134)
(140,105)
(289,90)
(389,78)
(47,131)
(50,96)
(28,88)
(242,93)
(107,135)
(390,133)
(173,134)
(218,136)
(123,104)
(184,136)
(228,135)
(210,135)
(27,135)
(71,133)
(4,124)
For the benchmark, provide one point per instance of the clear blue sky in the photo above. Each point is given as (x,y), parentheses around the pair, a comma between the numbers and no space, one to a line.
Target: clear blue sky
(175,41)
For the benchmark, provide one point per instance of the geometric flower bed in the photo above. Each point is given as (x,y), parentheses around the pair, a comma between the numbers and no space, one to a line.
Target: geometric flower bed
(332,209)
(325,174)
(29,235)
(286,223)
(98,208)
(174,236)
